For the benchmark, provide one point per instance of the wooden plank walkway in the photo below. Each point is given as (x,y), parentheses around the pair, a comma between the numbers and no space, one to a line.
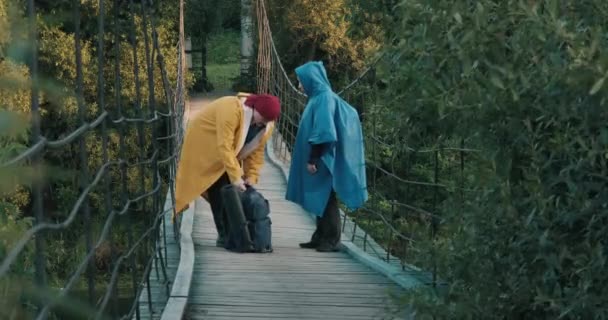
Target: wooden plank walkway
(290,283)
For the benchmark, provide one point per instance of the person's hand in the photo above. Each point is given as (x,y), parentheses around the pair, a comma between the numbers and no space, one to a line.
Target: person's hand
(240,185)
(312,169)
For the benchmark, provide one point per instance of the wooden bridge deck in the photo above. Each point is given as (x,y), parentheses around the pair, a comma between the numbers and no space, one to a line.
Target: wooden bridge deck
(290,283)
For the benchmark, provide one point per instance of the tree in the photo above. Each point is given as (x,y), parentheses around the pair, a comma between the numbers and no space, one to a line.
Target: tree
(60,117)
(523,82)
(200,21)
(247,69)
(324,30)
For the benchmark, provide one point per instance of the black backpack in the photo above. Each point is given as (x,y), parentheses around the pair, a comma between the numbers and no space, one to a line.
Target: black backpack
(249,224)
(257,211)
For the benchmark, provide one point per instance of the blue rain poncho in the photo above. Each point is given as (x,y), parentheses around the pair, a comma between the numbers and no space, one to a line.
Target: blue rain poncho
(327,119)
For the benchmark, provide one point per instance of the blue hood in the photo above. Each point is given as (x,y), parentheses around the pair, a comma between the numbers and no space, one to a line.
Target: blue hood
(313,77)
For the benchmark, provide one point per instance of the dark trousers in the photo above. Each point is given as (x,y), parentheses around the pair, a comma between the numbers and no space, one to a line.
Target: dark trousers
(217,206)
(328,230)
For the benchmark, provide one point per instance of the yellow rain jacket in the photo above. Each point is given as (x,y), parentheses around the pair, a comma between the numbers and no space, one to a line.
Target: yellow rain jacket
(214,144)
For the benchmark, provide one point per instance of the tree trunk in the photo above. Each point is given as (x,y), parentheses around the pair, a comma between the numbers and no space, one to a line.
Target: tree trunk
(312,51)
(207,85)
(247,70)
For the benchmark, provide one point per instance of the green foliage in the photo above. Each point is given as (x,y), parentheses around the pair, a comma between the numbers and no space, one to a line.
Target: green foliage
(14,101)
(213,29)
(61,174)
(205,17)
(522,81)
(222,76)
(223,63)
(324,30)
(224,48)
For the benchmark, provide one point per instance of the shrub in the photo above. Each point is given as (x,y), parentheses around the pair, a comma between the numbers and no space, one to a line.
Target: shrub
(523,81)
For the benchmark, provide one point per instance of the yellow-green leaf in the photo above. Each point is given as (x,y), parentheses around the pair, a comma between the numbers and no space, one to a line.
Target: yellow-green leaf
(597,86)
(458,17)
(497,82)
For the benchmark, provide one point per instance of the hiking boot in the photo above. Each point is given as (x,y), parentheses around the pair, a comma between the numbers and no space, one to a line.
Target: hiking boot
(309,245)
(326,247)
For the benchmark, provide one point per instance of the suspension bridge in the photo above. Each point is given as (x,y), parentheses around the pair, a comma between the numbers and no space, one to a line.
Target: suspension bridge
(172,269)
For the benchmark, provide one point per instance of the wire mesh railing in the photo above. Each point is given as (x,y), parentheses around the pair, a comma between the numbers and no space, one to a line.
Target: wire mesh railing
(408,186)
(119,198)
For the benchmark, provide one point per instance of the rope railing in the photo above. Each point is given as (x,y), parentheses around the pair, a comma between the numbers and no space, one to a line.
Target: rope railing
(138,214)
(400,223)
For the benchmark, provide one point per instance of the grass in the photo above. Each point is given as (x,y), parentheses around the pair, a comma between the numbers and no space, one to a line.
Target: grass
(223,57)
(222,76)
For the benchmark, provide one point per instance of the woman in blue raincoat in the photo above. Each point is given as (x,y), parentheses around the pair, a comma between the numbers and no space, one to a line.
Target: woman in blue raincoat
(328,160)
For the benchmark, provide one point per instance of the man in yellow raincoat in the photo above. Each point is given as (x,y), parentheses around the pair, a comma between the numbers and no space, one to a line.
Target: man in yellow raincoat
(224,144)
